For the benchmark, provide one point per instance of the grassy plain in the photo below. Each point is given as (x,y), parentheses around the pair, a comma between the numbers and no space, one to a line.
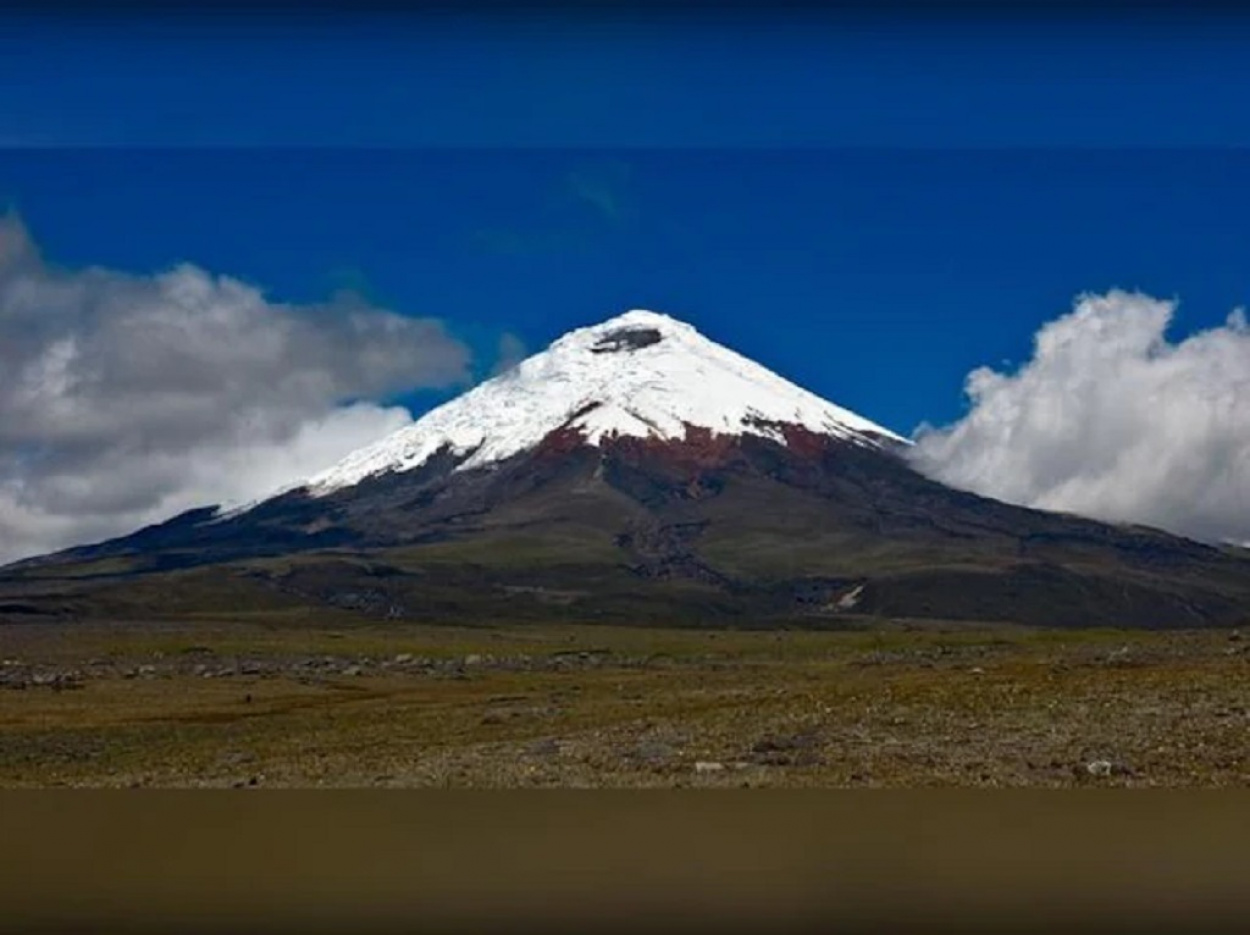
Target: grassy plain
(292,701)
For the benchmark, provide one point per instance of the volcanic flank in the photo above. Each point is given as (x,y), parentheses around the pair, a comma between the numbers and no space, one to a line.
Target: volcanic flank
(637,471)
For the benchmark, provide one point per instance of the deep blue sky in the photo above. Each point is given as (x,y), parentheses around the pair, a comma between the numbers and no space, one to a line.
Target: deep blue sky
(872,207)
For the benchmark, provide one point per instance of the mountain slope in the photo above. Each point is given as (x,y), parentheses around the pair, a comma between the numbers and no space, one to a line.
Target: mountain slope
(637,471)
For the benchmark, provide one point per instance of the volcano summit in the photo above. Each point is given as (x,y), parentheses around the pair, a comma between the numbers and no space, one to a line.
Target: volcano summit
(637,471)
(639,375)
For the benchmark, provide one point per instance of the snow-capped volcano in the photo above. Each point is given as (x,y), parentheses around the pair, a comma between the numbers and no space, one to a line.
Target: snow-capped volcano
(636,471)
(641,374)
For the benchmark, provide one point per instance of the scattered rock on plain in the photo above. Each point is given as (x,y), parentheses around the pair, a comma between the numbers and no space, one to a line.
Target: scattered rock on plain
(548,746)
(1099,768)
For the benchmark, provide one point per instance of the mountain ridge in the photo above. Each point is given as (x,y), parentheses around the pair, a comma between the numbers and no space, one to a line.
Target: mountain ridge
(785,509)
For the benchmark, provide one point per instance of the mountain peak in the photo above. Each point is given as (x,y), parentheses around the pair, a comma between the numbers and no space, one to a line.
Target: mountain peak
(641,374)
(642,318)
(630,330)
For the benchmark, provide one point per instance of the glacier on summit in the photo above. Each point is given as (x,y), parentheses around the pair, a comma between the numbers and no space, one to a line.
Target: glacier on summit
(640,374)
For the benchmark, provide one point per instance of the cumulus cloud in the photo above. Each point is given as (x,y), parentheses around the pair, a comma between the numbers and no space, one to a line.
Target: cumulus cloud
(1111,419)
(511,351)
(125,399)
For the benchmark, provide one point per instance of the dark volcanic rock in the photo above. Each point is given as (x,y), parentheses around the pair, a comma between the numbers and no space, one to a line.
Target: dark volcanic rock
(626,339)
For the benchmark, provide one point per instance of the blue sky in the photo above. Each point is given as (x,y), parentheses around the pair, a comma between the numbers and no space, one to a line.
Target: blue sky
(870,206)
(877,278)
(561,78)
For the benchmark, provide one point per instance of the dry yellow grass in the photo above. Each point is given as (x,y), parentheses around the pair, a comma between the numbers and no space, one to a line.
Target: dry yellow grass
(230,704)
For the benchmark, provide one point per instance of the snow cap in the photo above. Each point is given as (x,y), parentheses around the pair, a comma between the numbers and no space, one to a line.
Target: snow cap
(642,374)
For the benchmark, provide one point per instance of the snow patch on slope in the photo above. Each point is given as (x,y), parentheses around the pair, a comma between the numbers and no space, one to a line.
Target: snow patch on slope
(639,374)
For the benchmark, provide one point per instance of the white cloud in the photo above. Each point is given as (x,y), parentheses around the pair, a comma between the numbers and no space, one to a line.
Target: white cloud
(511,351)
(1112,420)
(125,399)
